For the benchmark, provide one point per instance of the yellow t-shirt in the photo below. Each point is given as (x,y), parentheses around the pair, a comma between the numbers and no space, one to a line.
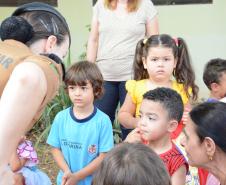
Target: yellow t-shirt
(137,89)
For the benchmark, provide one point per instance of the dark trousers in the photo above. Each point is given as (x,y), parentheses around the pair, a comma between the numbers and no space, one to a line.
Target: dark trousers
(114,93)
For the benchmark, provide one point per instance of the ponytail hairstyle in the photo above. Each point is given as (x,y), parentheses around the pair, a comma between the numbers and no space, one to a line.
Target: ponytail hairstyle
(183,72)
(45,21)
(16,28)
(138,66)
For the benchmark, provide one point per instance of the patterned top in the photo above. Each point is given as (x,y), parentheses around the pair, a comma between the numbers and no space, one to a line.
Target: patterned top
(26,151)
(173,159)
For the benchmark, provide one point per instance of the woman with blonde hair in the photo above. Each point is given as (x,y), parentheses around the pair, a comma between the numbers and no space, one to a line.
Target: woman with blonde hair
(117,26)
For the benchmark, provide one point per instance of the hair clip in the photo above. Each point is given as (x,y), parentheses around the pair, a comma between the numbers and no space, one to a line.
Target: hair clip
(145,40)
(176,41)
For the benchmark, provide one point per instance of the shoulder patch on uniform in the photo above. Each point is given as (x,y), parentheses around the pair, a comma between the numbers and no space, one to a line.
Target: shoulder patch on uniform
(5,61)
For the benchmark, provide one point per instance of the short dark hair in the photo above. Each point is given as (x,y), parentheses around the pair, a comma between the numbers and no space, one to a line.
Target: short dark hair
(213,71)
(169,99)
(81,72)
(210,121)
(131,164)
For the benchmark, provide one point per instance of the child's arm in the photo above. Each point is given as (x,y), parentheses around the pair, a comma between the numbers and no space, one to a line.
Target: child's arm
(59,158)
(74,178)
(126,115)
(16,163)
(179,176)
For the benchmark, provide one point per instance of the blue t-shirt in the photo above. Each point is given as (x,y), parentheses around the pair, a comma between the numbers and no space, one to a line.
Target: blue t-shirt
(80,140)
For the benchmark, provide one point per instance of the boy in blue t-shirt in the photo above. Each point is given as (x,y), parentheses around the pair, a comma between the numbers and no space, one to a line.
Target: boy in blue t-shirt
(82,134)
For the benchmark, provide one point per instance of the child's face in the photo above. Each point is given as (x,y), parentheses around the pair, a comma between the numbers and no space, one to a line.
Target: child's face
(154,121)
(222,86)
(160,63)
(81,96)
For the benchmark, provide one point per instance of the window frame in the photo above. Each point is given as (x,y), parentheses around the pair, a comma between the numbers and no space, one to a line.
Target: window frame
(15,3)
(176,2)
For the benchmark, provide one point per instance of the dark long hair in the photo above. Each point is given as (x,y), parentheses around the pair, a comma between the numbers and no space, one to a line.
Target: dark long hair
(183,72)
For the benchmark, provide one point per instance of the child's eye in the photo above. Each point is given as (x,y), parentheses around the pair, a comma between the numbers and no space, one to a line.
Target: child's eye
(151,118)
(84,87)
(166,59)
(154,59)
(71,87)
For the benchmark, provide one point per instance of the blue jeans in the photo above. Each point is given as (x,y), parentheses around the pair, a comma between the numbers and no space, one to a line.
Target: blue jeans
(114,93)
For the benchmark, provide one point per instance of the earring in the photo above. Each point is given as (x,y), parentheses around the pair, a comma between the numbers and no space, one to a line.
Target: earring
(210,157)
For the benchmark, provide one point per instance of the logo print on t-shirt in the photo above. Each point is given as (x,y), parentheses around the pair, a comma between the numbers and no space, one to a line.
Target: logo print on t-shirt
(92,149)
(5,61)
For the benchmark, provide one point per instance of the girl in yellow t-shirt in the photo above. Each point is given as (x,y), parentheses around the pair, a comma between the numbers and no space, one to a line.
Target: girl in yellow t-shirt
(160,61)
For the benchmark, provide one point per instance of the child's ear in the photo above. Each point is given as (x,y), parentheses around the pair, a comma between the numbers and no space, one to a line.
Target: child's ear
(144,62)
(172,126)
(96,94)
(214,86)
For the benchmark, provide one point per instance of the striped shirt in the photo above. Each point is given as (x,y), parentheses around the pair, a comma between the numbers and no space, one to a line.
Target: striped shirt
(173,159)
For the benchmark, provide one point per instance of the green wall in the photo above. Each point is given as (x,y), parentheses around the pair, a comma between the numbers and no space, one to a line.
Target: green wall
(202,26)
(204,29)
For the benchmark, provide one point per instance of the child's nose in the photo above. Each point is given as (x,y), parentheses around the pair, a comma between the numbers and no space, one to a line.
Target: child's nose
(77,91)
(160,62)
(142,121)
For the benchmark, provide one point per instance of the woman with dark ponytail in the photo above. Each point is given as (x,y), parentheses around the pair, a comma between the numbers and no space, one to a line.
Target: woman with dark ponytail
(205,142)
(34,41)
